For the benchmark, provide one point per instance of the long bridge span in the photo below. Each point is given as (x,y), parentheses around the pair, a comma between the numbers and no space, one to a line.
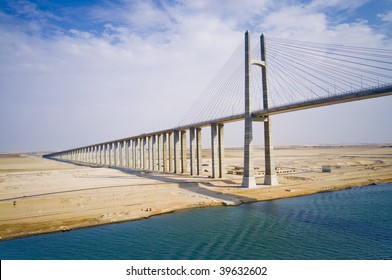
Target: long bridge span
(291,76)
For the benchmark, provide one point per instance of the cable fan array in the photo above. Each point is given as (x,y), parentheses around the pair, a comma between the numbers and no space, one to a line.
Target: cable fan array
(297,71)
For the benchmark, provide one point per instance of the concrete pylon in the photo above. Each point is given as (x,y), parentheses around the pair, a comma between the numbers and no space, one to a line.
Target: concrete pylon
(248,181)
(270,172)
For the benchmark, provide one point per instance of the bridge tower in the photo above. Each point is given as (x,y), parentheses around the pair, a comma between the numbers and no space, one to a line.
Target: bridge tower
(249,180)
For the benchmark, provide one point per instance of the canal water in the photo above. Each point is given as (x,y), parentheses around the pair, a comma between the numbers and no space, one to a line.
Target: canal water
(349,224)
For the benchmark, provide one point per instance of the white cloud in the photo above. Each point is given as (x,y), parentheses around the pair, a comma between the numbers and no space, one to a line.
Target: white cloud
(387,17)
(349,5)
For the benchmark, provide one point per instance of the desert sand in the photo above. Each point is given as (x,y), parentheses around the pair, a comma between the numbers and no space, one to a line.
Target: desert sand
(40,195)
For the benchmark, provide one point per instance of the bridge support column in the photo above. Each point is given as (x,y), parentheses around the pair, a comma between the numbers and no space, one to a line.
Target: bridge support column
(109,154)
(184,161)
(103,157)
(217,151)
(164,152)
(177,153)
(127,146)
(120,153)
(192,150)
(198,151)
(248,180)
(153,152)
(149,153)
(159,151)
(103,154)
(270,172)
(115,150)
(134,147)
(140,153)
(171,151)
(144,139)
(221,151)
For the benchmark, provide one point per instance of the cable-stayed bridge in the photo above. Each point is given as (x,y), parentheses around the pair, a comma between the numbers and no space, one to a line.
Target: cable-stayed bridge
(262,77)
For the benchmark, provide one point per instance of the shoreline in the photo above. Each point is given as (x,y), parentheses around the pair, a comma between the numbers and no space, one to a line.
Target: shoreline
(187,208)
(39,196)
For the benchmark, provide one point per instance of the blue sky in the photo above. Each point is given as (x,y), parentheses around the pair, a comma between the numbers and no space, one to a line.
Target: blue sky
(80,72)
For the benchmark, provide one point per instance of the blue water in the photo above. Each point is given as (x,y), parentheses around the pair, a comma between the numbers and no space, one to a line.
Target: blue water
(349,224)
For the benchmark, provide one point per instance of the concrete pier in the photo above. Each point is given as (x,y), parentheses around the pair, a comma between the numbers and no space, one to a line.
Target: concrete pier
(120,153)
(153,152)
(135,146)
(127,153)
(221,151)
(184,161)
(192,150)
(164,152)
(177,152)
(270,172)
(171,151)
(159,152)
(144,152)
(248,181)
(150,164)
(217,151)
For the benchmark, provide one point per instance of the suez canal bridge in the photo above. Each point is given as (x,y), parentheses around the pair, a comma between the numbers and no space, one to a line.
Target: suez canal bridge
(297,75)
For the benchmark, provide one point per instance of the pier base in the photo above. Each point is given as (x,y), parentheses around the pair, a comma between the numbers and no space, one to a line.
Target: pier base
(248,182)
(271,180)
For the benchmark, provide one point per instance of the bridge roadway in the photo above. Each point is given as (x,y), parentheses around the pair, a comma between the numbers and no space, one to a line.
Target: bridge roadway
(166,150)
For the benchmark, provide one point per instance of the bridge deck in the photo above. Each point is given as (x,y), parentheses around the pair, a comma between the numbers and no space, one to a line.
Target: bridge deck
(313,103)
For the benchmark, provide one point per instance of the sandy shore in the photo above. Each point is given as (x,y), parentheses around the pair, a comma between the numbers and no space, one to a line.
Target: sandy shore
(39,195)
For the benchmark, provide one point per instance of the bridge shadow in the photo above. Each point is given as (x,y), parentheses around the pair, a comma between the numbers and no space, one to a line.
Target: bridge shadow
(200,185)
(197,184)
